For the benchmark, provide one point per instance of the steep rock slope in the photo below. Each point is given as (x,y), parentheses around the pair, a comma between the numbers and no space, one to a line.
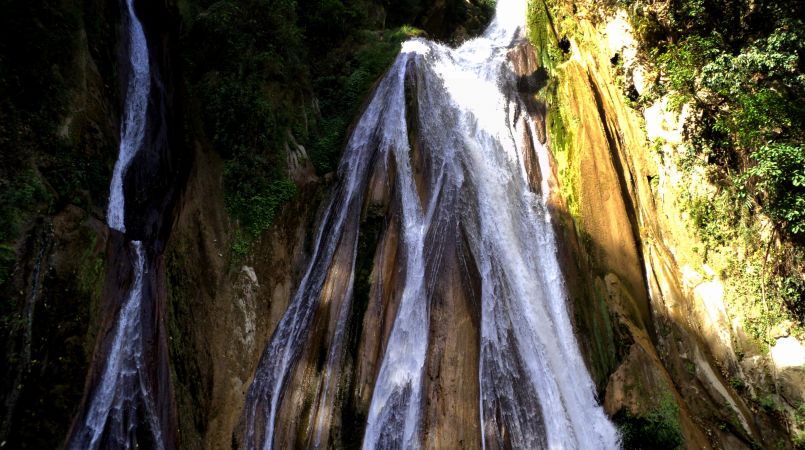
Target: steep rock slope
(661,341)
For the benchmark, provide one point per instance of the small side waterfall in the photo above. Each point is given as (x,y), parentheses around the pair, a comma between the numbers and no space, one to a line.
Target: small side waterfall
(132,127)
(336,242)
(468,175)
(124,403)
(123,391)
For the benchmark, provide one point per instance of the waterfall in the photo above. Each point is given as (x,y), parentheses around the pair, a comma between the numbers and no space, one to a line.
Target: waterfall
(120,406)
(474,138)
(123,387)
(132,127)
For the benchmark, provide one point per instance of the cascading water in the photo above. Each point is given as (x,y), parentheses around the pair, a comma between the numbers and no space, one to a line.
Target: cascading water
(473,138)
(120,409)
(123,392)
(343,213)
(132,128)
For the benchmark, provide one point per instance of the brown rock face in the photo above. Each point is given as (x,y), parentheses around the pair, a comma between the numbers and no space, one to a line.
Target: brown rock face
(222,312)
(451,384)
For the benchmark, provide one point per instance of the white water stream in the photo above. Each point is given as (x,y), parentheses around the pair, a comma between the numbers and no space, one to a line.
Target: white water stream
(123,388)
(132,126)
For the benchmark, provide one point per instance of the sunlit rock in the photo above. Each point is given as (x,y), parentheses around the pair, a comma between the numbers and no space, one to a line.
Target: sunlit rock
(788,352)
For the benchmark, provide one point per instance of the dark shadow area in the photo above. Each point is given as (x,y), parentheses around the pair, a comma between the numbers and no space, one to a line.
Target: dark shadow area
(533,82)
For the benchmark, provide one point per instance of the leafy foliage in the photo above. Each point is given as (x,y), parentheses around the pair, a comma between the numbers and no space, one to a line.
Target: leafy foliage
(44,164)
(343,86)
(261,200)
(7,260)
(15,200)
(741,68)
(659,428)
(247,68)
(778,173)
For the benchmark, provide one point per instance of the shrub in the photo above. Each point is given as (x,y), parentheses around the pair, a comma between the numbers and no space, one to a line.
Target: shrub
(748,97)
(7,260)
(17,200)
(740,67)
(247,70)
(343,90)
(659,428)
(778,178)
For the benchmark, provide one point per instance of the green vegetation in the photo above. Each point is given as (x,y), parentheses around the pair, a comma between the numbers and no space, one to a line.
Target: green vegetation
(58,99)
(749,115)
(16,197)
(739,65)
(799,441)
(561,121)
(537,21)
(342,88)
(799,424)
(267,74)
(658,428)
(740,68)
(7,260)
(44,164)
(764,288)
(779,174)
(246,69)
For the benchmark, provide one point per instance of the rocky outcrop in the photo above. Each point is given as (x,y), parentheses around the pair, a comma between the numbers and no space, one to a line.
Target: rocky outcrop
(223,308)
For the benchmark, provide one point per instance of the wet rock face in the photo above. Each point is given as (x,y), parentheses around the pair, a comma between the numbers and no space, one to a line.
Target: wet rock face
(129,384)
(450,406)
(221,309)
(149,405)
